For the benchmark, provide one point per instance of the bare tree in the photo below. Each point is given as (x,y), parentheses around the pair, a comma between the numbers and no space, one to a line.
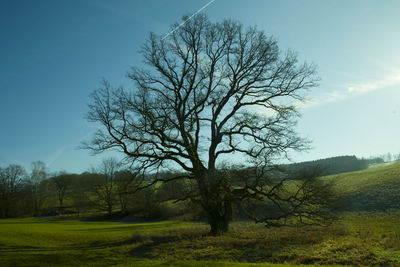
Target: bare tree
(10,182)
(62,182)
(106,190)
(115,184)
(38,187)
(126,181)
(210,91)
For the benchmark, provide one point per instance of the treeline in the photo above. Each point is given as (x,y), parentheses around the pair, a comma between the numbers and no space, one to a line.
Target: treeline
(109,190)
(333,165)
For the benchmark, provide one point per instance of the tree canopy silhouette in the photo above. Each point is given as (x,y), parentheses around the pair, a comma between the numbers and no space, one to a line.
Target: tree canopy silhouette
(207,92)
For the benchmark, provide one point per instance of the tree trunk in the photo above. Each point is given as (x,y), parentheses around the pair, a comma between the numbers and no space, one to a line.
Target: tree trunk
(122,203)
(61,198)
(109,209)
(219,224)
(215,200)
(219,215)
(35,207)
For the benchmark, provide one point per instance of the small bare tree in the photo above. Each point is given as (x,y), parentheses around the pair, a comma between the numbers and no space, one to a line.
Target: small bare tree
(11,179)
(211,91)
(105,190)
(37,185)
(126,182)
(61,182)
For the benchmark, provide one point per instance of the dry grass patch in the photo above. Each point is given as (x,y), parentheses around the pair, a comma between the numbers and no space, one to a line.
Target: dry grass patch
(338,244)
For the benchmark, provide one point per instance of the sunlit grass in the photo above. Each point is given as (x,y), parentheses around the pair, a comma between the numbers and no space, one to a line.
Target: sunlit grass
(358,181)
(356,239)
(55,233)
(362,239)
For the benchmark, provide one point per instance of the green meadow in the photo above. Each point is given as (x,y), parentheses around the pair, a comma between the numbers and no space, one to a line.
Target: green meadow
(369,190)
(70,242)
(362,181)
(356,238)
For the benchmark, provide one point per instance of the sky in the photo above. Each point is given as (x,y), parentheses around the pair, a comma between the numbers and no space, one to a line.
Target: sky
(53,54)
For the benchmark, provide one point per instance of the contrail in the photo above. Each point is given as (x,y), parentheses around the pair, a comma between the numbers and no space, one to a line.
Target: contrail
(194,14)
(54,157)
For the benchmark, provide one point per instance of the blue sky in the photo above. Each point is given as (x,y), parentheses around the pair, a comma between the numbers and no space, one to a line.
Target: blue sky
(54,53)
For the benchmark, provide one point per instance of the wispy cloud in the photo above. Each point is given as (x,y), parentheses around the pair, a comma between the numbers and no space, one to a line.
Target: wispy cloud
(54,157)
(194,14)
(355,89)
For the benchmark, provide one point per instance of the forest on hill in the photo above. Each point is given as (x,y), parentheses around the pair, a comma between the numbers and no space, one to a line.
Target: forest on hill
(38,193)
(333,165)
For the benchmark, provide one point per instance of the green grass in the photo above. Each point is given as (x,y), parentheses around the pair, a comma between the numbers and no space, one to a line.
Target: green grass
(69,242)
(49,242)
(375,189)
(355,182)
(359,239)
(364,239)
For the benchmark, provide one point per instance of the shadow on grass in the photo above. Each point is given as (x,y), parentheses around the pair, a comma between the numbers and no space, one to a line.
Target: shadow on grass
(121,228)
(58,258)
(294,246)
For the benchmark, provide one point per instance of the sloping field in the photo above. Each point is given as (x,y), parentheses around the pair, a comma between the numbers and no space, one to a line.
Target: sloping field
(353,182)
(374,189)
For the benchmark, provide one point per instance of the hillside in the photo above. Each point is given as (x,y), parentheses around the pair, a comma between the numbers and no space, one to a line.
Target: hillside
(330,166)
(368,190)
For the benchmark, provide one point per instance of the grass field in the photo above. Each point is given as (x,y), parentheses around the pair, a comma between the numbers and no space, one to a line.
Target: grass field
(369,190)
(358,239)
(366,239)
(359,181)
(51,241)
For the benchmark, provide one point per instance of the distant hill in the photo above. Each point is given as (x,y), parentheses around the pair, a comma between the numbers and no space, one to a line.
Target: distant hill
(374,189)
(333,165)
